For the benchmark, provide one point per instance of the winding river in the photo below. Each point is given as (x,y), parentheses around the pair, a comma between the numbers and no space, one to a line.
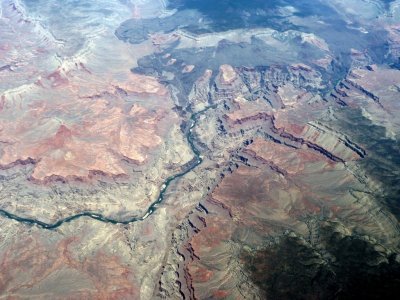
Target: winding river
(152,208)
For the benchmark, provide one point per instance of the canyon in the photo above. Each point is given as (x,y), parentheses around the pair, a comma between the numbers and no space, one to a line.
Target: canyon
(164,150)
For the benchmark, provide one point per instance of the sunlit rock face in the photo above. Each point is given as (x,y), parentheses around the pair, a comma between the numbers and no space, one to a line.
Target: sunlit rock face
(191,149)
(75,116)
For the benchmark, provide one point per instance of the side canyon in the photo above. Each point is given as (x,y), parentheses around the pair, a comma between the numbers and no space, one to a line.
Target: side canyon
(199,150)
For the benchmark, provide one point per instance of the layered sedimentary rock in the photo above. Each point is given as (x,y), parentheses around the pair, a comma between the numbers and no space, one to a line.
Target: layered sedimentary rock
(67,121)
(199,150)
(290,183)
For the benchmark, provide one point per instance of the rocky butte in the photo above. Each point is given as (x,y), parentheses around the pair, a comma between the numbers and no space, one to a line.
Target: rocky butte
(190,149)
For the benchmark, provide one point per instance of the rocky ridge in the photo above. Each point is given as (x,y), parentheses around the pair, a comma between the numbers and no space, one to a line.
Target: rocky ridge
(269,167)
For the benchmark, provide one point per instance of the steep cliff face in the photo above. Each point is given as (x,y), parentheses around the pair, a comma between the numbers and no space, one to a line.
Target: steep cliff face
(292,188)
(199,149)
(70,121)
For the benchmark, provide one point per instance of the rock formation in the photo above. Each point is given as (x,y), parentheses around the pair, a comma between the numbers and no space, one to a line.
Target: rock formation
(199,149)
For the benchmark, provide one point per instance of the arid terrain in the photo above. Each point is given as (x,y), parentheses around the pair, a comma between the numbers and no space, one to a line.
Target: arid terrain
(188,149)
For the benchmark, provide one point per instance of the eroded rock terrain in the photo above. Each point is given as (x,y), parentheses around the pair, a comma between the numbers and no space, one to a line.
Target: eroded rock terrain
(199,150)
